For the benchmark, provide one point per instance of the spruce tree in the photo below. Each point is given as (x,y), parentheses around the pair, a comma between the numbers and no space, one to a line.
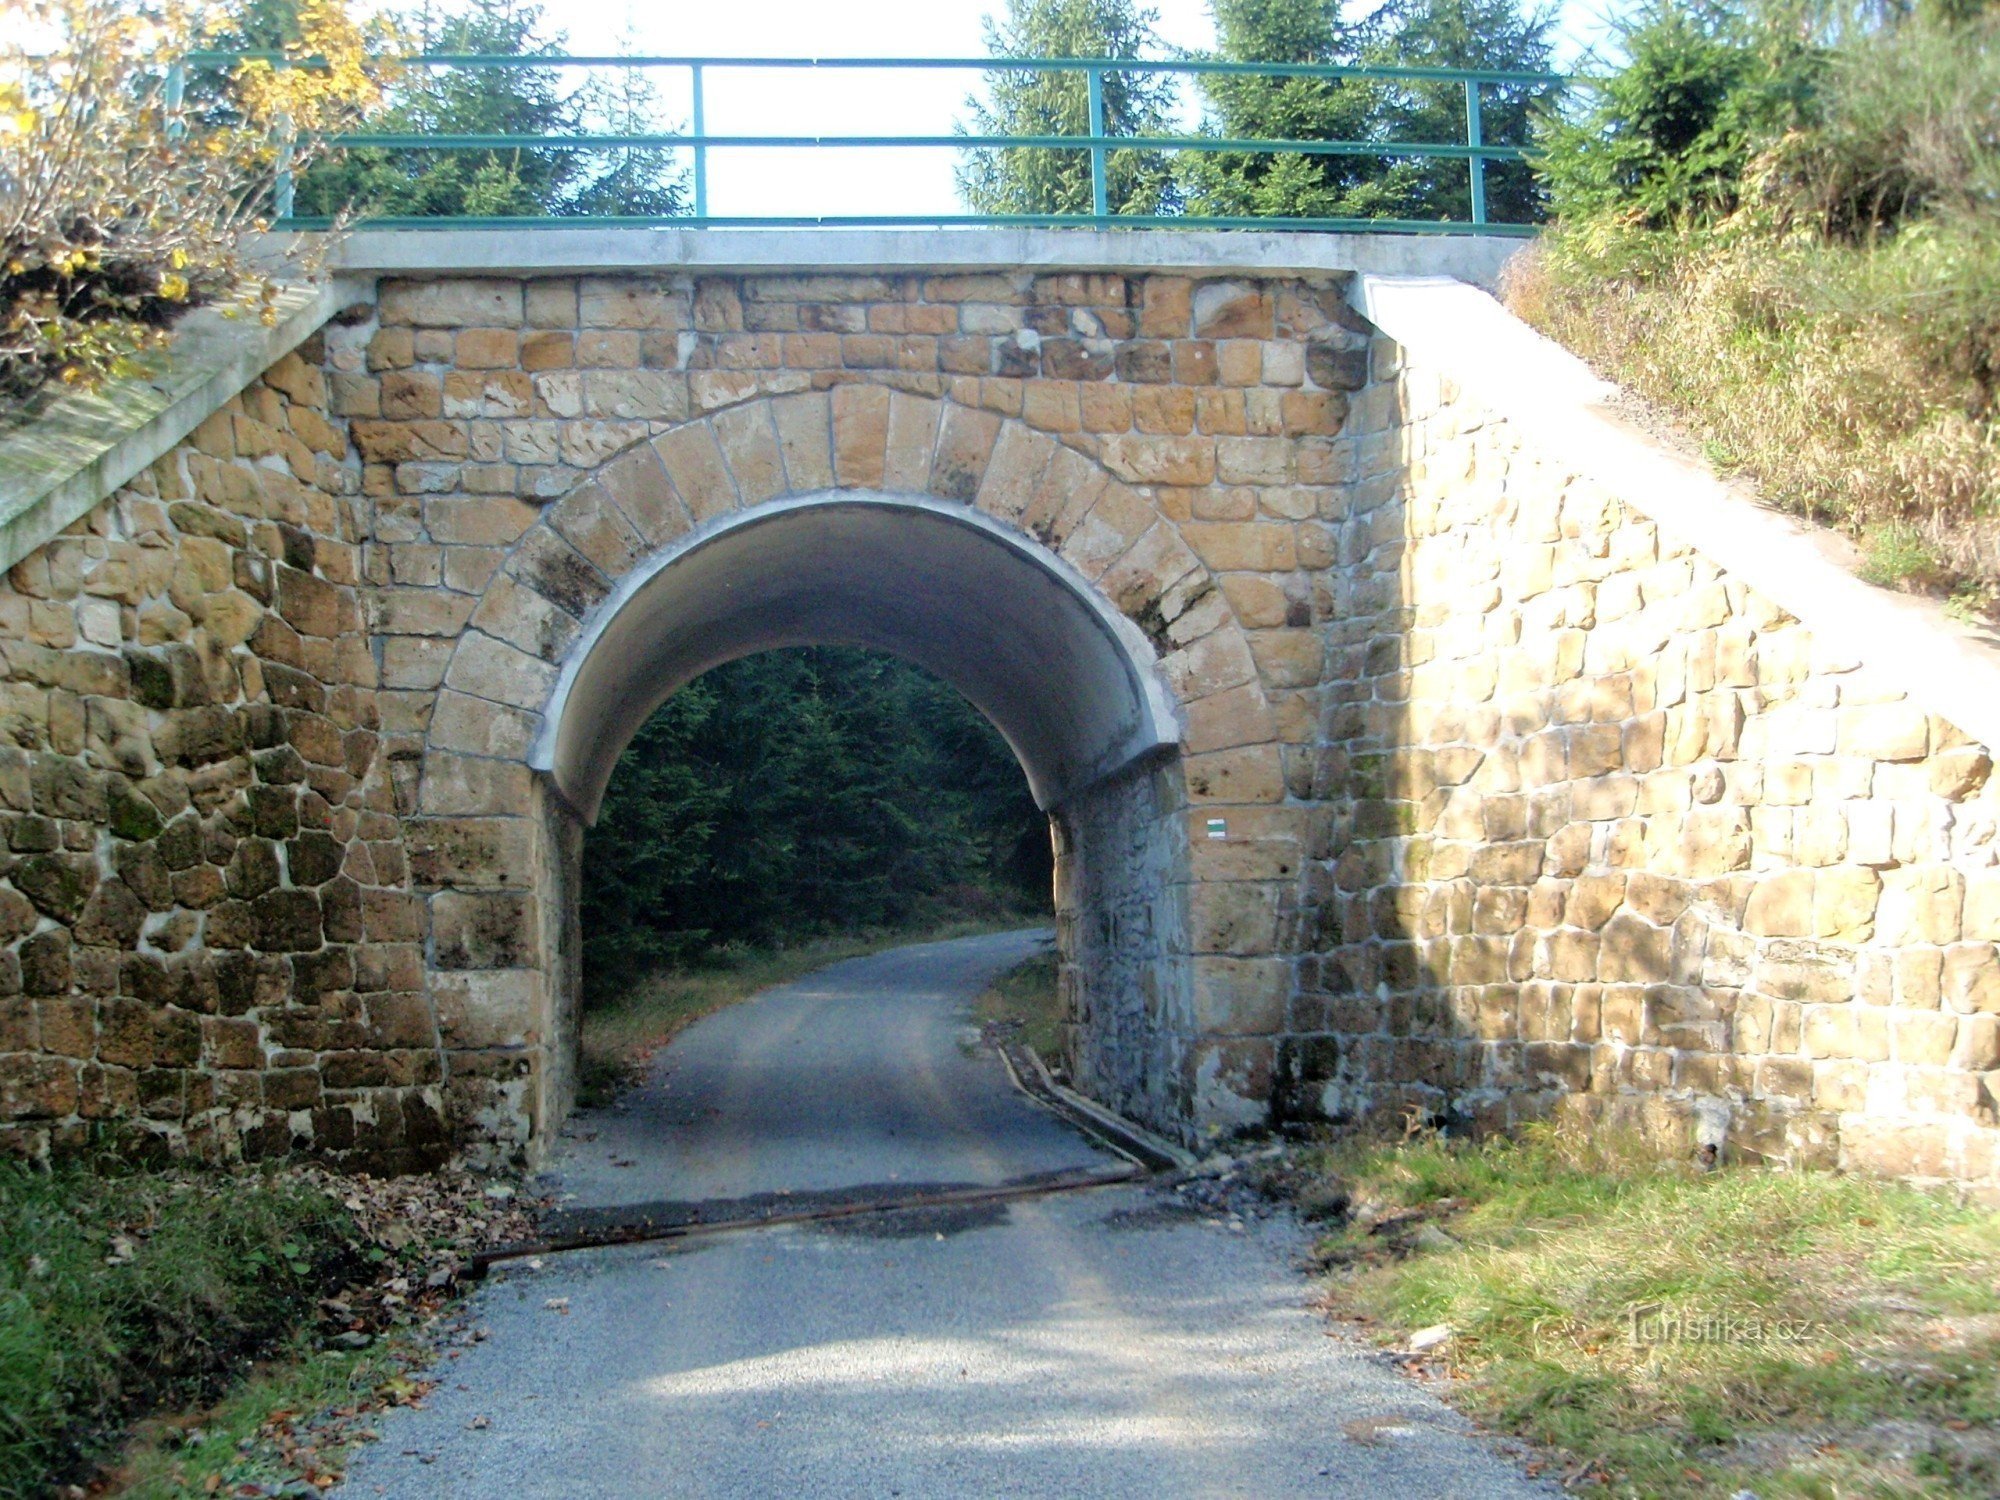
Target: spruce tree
(1051,180)
(1473,34)
(500,101)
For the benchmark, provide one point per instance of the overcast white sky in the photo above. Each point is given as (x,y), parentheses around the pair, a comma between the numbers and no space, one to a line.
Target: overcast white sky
(792,102)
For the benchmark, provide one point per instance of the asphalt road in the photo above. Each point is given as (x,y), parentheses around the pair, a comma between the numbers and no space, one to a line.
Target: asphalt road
(865,1073)
(1109,1343)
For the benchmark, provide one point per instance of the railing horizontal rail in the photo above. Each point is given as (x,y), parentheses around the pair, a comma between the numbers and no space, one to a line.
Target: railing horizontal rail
(924,221)
(1053,142)
(965,64)
(1474,150)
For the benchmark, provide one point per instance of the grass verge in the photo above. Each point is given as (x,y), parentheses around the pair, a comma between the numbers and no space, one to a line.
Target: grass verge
(1022,1005)
(1680,1333)
(287,1428)
(118,1294)
(619,1033)
(224,1311)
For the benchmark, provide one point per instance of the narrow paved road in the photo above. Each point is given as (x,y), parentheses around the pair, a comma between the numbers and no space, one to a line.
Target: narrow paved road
(865,1073)
(1104,1343)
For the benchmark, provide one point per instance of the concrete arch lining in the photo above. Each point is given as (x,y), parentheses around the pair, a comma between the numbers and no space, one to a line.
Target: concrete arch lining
(1021,633)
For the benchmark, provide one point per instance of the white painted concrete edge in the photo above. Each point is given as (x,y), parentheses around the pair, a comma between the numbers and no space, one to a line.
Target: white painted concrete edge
(604,251)
(59,465)
(1562,408)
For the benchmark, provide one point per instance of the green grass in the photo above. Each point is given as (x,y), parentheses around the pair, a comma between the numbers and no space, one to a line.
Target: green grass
(122,1294)
(1025,1004)
(295,1419)
(1850,1341)
(621,1031)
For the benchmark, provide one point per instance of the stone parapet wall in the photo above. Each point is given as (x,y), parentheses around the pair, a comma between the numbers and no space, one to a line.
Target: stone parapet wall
(1615,835)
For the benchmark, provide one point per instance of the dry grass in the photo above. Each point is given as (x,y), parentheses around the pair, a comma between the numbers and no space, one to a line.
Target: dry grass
(1772,354)
(1837,1336)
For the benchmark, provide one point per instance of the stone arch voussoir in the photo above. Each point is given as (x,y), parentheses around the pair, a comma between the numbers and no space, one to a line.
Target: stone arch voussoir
(656,492)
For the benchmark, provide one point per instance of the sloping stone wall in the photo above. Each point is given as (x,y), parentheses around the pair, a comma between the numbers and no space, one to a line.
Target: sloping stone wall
(210,942)
(1616,835)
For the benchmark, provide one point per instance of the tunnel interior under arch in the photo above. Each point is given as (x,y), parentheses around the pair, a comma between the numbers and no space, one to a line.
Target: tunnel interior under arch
(1066,679)
(1070,684)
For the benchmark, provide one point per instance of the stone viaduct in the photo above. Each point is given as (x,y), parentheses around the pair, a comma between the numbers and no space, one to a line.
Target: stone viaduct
(1413,735)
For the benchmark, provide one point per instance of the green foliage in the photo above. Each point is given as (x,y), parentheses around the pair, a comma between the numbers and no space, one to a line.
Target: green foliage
(495,101)
(1034,180)
(121,209)
(1896,555)
(1906,129)
(798,793)
(118,1293)
(1477,34)
(1787,229)
(1667,138)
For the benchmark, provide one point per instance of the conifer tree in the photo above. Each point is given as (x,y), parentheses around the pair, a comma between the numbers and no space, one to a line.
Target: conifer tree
(1473,34)
(1039,180)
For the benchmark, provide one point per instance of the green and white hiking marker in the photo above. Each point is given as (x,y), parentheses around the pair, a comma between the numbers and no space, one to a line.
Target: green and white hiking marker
(1217,829)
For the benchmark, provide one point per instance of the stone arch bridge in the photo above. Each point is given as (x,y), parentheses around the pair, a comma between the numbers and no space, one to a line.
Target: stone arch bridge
(1412,736)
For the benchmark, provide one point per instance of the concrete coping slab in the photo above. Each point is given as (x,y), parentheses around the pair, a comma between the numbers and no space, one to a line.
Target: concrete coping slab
(1557,402)
(62,459)
(462,251)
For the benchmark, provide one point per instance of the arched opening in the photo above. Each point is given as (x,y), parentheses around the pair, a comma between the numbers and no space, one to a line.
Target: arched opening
(1071,685)
(787,810)
(1064,677)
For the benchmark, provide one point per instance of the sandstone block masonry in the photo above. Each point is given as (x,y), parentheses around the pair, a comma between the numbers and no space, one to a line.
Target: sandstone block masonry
(1612,834)
(1523,809)
(211,944)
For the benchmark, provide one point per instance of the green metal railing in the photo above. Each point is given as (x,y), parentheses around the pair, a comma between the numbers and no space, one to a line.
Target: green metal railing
(1474,150)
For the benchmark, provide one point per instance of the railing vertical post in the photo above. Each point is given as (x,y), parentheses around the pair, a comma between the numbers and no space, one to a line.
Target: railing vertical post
(700,150)
(283,189)
(1475,136)
(1100,194)
(176,98)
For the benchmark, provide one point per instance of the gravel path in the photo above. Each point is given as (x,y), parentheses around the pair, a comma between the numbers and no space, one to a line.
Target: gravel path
(1113,1342)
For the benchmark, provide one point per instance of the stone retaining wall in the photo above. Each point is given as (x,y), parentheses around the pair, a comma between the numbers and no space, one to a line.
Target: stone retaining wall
(210,942)
(1614,835)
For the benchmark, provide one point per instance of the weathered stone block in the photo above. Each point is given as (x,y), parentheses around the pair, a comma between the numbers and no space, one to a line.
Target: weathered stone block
(485,929)
(451,304)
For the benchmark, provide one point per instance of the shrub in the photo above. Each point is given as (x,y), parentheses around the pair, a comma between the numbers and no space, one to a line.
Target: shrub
(1667,137)
(120,211)
(1812,280)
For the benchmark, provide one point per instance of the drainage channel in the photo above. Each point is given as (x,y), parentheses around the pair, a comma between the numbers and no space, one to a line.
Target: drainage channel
(680,1221)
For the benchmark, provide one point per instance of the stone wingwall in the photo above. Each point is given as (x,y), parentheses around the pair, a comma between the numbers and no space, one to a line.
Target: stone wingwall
(210,944)
(1614,836)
